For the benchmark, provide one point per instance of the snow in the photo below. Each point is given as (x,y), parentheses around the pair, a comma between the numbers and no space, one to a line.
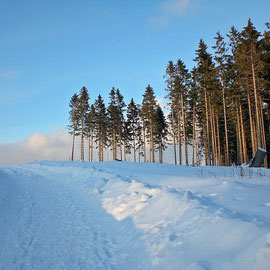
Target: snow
(263,150)
(124,215)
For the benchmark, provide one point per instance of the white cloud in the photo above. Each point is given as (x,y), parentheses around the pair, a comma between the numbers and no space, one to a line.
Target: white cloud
(9,74)
(163,104)
(176,7)
(161,101)
(168,10)
(38,146)
(17,96)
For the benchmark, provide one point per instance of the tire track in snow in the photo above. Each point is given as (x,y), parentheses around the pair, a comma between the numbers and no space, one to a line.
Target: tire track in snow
(60,227)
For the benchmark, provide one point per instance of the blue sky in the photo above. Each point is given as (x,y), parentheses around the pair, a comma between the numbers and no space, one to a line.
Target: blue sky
(50,49)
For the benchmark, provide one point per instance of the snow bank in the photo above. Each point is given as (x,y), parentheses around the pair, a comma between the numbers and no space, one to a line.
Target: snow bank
(121,215)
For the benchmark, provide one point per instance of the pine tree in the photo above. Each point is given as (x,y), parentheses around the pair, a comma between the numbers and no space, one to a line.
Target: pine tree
(101,125)
(265,76)
(193,97)
(83,107)
(249,65)
(182,83)
(74,121)
(134,126)
(149,105)
(121,125)
(206,78)
(114,121)
(90,128)
(160,132)
(170,80)
(223,60)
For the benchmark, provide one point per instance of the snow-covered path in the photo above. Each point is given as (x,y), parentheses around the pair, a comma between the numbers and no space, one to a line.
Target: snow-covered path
(53,224)
(116,215)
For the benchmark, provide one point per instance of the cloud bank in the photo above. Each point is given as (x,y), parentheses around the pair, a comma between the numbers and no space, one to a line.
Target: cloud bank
(57,146)
(9,74)
(175,7)
(37,146)
(169,10)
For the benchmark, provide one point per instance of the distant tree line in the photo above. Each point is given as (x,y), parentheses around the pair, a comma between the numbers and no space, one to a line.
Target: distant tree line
(220,108)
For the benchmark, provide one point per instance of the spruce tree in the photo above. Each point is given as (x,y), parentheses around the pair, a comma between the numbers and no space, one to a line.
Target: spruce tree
(160,132)
(74,121)
(114,122)
(170,81)
(249,65)
(101,125)
(182,84)
(83,107)
(207,83)
(90,128)
(134,126)
(223,60)
(193,99)
(149,105)
(121,125)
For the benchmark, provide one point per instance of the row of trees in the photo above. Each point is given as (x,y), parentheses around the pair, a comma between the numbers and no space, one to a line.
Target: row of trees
(220,109)
(123,129)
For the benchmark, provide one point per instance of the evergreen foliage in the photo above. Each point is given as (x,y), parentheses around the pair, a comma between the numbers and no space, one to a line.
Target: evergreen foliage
(134,127)
(220,108)
(82,111)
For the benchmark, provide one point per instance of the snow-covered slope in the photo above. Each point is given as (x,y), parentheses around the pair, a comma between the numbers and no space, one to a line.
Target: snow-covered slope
(121,215)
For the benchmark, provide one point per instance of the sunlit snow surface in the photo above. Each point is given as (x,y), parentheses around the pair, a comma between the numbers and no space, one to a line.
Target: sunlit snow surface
(117,215)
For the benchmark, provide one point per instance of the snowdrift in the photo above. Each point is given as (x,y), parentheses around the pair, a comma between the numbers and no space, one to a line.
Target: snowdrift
(123,215)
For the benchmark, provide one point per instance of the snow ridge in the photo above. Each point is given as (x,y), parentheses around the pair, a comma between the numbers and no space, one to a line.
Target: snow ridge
(111,215)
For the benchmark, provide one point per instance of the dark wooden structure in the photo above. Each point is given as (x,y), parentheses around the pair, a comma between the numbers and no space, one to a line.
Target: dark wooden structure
(258,159)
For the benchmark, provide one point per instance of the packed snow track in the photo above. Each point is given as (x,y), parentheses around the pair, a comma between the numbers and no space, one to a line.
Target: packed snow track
(117,215)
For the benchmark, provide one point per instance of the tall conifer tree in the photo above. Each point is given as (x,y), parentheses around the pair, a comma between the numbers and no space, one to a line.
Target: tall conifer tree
(74,121)
(83,107)
(134,126)
(149,105)
(101,123)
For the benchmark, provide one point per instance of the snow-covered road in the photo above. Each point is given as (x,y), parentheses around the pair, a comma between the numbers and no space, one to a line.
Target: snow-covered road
(116,215)
(50,222)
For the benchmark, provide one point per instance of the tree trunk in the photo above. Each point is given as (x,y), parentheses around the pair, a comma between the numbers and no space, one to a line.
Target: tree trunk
(218,143)
(144,144)
(256,104)
(152,141)
(213,153)
(99,149)
(134,148)
(193,133)
(173,130)
(263,131)
(89,148)
(198,161)
(120,145)
(239,138)
(205,145)
(92,146)
(227,159)
(160,153)
(125,152)
(82,142)
(243,135)
(102,153)
(179,140)
(184,128)
(207,150)
(114,146)
(252,127)
(73,144)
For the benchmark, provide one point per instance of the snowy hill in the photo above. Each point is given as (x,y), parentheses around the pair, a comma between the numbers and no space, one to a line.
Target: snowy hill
(117,215)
